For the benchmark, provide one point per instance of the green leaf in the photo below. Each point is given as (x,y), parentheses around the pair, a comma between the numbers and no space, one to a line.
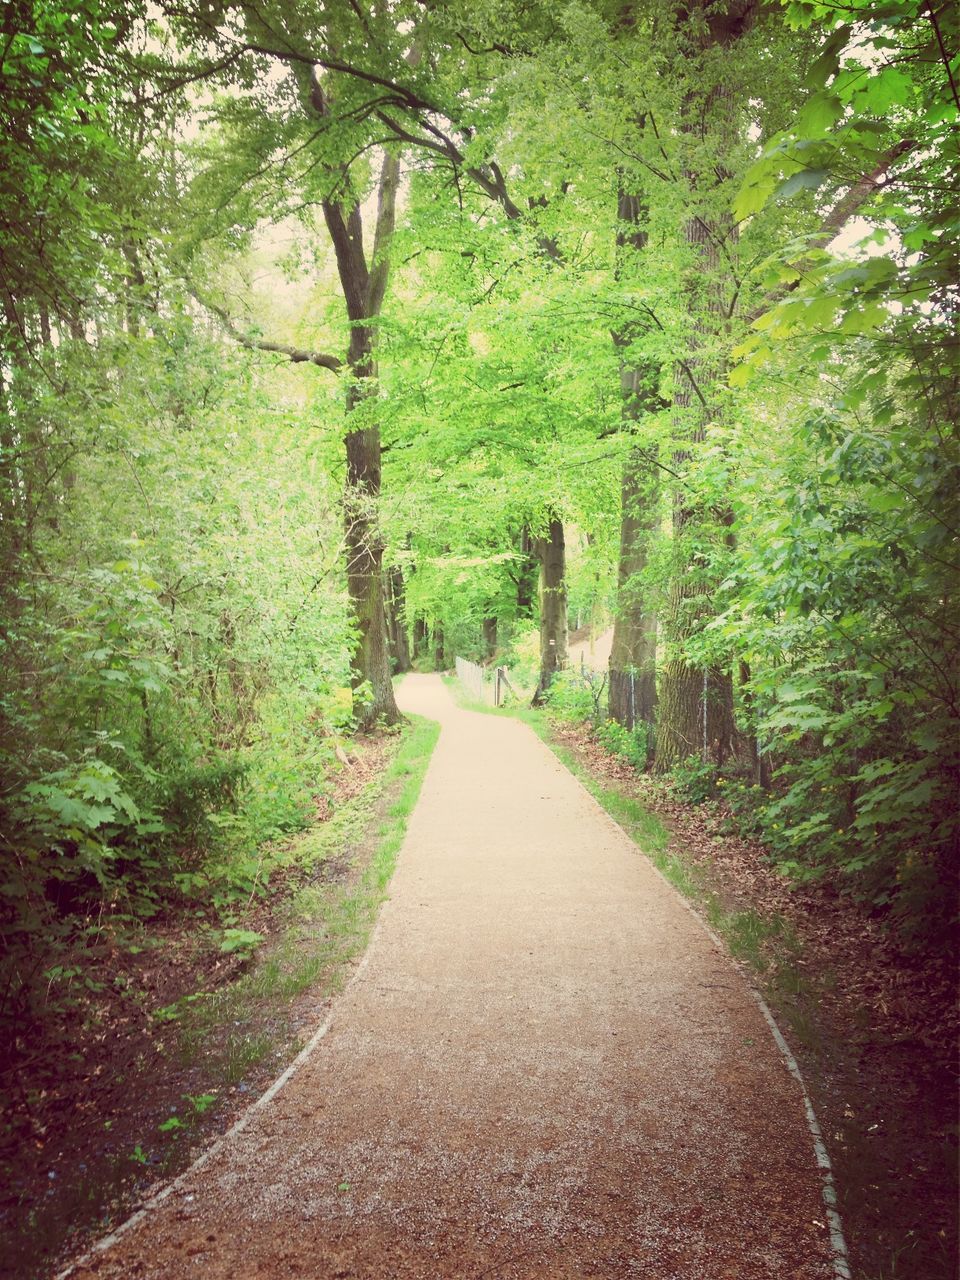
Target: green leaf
(244,940)
(820,114)
(890,88)
(755,192)
(827,63)
(802,180)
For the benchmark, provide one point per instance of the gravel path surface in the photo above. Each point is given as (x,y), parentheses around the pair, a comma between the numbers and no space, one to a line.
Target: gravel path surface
(544,1068)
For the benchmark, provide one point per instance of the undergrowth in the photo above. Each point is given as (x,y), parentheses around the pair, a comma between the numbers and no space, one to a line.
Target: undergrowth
(224,1043)
(326,924)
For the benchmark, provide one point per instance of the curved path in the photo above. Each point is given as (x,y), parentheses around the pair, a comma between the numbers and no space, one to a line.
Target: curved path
(543,1068)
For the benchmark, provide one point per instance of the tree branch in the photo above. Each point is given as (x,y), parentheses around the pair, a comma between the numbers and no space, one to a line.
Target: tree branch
(837,218)
(386,221)
(861,191)
(296,355)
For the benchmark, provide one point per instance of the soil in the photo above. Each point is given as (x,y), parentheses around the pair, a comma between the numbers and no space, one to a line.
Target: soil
(80,1144)
(544,1067)
(874,1028)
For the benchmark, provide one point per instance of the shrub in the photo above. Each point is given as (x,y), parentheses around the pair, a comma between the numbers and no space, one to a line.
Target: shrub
(696,781)
(576,696)
(633,745)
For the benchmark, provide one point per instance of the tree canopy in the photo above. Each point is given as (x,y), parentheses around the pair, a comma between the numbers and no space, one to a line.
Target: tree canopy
(328,327)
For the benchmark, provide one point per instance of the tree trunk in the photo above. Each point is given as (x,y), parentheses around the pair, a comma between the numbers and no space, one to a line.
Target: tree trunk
(632,692)
(363,291)
(696,707)
(759,760)
(372,679)
(438,647)
(10,486)
(135,287)
(633,685)
(490,637)
(396,620)
(421,638)
(526,578)
(553,607)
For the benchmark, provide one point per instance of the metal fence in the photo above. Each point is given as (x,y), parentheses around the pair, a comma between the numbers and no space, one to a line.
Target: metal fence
(485,685)
(470,676)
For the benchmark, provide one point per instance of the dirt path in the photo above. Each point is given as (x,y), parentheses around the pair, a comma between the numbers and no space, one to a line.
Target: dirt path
(592,651)
(542,1069)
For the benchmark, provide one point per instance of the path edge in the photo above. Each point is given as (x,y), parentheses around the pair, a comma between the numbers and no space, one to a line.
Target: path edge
(840,1255)
(157,1198)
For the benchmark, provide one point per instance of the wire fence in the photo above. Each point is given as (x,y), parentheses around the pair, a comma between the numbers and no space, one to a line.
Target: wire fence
(484,685)
(470,676)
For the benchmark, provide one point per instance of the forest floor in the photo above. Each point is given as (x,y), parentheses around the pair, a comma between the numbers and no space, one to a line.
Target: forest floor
(874,1027)
(172,1040)
(544,1067)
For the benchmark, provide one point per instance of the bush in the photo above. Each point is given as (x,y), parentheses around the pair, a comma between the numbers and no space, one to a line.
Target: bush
(576,696)
(696,781)
(633,745)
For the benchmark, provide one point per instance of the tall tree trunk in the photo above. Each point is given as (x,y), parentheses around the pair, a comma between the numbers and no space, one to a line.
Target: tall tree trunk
(633,654)
(553,607)
(364,290)
(421,637)
(372,677)
(439,647)
(632,692)
(759,760)
(396,620)
(46,335)
(135,287)
(364,285)
(10,486)
(526,577)
(696,706)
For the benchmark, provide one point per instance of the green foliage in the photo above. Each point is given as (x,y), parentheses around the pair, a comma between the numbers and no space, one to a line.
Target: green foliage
(842,594)
(696,780)
(573,696)
(162,713)
(242,942)
(175,643)
(632,745)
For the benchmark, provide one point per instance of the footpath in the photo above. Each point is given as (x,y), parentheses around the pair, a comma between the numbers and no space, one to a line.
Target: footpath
(543,1068)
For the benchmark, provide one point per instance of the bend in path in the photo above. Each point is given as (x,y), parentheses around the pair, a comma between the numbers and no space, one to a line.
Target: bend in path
(544,1068)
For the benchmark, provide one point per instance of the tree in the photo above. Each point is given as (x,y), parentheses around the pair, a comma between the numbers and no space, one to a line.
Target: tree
(845,598)
(550,551)
(633,655)
(696,707)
